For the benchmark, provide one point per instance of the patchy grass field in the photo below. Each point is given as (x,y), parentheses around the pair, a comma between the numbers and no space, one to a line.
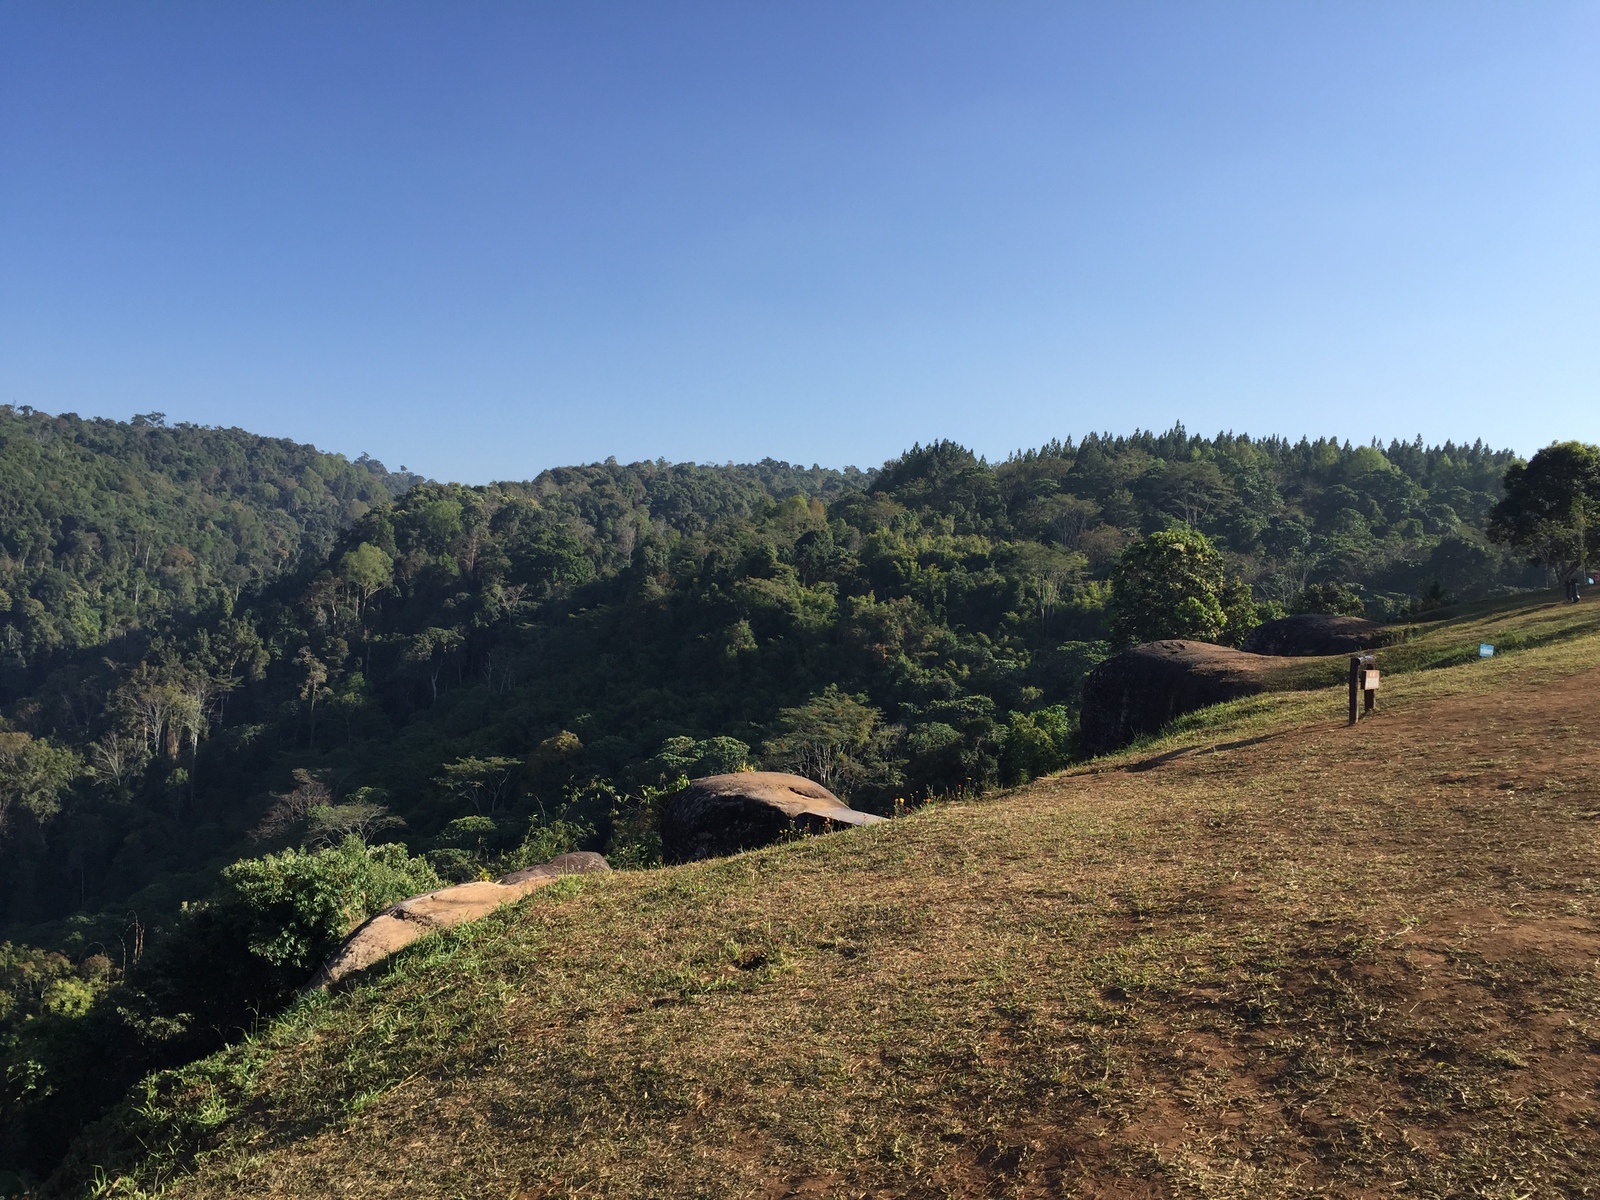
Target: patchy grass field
(1268,956)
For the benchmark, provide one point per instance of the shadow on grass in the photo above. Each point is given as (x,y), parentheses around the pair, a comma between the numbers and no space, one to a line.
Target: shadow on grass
(1149,764)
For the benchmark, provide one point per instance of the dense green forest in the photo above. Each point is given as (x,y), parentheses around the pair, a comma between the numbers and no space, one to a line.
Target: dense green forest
(108,526)
(226,650)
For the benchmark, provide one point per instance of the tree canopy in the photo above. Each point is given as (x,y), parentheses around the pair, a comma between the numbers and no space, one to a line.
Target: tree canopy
(1551,509)
(1173,584)
(108,527)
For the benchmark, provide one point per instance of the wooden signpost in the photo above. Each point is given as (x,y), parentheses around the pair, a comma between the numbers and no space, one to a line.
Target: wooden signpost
(1364,680)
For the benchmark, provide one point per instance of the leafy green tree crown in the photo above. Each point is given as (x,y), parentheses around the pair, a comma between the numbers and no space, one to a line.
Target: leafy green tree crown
(33,775)
(1336,598)
(1551,510)
(1169,585)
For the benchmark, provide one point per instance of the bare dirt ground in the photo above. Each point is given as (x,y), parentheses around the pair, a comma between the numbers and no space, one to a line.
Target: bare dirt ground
(1432,1028)
(1323,962)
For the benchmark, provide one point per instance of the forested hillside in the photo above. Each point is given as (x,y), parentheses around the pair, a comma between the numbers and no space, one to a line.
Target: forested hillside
(108,526)
(479,676)
(1232,968)
(931,624)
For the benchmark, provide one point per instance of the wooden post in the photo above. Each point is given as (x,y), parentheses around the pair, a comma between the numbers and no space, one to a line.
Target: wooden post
(1364,680)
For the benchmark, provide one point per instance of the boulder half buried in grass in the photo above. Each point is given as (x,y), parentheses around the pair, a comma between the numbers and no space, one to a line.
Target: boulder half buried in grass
(1138,691)
(397,927)
(1307,635)
(724,814)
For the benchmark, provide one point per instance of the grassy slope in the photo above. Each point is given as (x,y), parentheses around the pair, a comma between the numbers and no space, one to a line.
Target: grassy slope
(1292,959)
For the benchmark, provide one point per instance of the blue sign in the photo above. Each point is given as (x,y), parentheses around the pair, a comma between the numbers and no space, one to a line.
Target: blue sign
(1485,650)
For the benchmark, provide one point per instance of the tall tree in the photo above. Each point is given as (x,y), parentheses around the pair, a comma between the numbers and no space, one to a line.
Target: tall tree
(1169,585)
(1551,510)
(33,774)
(834,738)
(482,782)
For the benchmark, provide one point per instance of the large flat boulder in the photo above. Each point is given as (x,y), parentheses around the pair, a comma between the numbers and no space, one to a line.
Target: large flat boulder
(1140,690)
(398,926)
(724,814)
(1308,635)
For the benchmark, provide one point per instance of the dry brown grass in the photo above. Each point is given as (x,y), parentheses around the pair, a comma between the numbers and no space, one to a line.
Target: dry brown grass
(1323,961)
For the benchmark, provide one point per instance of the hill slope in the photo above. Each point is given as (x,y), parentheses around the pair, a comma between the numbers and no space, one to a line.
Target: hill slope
(1311,959)
(108,526)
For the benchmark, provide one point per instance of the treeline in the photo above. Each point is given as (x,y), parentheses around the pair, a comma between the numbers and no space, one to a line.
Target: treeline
(480,676)
(107,526)
(926,617)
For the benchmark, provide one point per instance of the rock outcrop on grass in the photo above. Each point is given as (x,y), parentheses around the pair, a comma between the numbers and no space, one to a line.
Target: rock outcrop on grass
(724,814)
(1307,635)
(1138,691)
(397,927)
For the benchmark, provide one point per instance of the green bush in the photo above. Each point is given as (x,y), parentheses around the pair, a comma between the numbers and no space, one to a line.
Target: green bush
(454,865)
(471,834)
(1329,598)
(1037,743)
(293,907)
(546,839)
(635,839)
(227,962)
(694,759)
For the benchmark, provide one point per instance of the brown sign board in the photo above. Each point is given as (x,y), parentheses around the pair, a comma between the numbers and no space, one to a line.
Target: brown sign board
(1370,679)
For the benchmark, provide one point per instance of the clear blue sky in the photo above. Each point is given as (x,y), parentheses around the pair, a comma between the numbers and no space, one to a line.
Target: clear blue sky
(481,239)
